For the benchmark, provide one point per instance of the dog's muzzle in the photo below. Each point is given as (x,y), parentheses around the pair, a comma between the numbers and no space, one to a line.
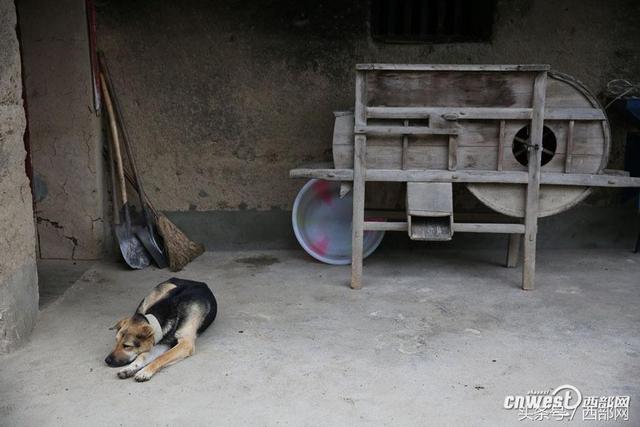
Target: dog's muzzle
(114,363)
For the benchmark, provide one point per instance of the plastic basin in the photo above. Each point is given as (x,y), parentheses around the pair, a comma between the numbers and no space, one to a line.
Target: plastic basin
(322,223)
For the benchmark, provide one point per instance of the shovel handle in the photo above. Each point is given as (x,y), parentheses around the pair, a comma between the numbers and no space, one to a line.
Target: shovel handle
(126,141)
(115,139)
(114,188)
(132,183)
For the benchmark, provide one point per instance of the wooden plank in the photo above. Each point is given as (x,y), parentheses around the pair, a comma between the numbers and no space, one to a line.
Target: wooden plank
(511,229)
(463,227)
(589,180)
(454,67)
(582,164)
(452,89)
(569,149)
(342,146)
(453,153)
(574,113)
(414,175)
(402,130)
(430,229)
(449,113)
(423,154)
(501,143)
(361,99)
(513,250)
(486,177)
(359,169)
(483,113)
(326,174)
(533,185)
(385,226)
(616,172)
(429,199)
(405,147)
(398,214)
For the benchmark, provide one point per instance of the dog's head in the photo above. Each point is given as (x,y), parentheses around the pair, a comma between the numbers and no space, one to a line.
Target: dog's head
(134,335)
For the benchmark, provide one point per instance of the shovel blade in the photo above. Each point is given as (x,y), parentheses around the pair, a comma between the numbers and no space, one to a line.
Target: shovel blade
(151,244)
(134,254)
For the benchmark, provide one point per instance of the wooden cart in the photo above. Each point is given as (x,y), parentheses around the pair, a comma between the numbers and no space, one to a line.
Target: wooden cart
(528,142)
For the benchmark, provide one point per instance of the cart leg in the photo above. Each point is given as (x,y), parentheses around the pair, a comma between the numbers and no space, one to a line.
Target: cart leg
(513,250)
(529,263)
(533,185)
(358,210)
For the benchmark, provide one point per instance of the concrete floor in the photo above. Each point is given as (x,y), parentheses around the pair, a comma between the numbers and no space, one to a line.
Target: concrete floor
(434,338)
(55,276)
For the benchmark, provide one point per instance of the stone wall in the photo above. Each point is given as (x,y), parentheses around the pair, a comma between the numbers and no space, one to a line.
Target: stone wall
(18,277)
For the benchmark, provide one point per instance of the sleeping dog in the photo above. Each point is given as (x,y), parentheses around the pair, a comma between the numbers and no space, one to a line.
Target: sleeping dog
(163,329)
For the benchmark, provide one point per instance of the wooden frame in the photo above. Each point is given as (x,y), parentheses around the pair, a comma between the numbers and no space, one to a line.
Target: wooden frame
(446,125)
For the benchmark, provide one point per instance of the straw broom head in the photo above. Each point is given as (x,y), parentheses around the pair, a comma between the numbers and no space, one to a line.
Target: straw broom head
(180,249)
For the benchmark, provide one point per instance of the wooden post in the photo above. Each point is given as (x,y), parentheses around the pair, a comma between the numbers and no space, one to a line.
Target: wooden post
(359,168)
(569,155)
(533,185)
(513,250)
(453,152)
(405,148)
(501,143)
(358,210)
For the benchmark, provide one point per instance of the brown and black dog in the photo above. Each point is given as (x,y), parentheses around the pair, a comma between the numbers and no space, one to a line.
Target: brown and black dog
(163,329)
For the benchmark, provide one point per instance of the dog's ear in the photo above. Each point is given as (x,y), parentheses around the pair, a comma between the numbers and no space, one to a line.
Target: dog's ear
(118,325)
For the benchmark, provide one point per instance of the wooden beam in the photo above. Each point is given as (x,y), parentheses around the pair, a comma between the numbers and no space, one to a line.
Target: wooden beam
(458,227)
(454,67)
(385,226)
(465,227)
(326,174)
(450,113)
(574,113)
(402,130)
(487,177)
(483,113)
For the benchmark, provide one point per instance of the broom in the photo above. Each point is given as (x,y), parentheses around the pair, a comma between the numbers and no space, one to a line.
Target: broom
(179,248)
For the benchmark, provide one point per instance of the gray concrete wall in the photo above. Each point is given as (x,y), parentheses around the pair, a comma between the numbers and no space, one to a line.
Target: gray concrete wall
(18,277)
(64,133)
(223,98)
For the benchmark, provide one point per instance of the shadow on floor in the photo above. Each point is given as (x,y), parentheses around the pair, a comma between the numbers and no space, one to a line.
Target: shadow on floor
(56,276)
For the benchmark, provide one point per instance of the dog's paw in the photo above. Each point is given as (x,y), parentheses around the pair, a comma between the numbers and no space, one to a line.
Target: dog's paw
(142,376)
(125,373)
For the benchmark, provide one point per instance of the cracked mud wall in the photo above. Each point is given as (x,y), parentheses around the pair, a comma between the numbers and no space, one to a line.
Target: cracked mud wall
(18,277)
(224,97)
(65,135)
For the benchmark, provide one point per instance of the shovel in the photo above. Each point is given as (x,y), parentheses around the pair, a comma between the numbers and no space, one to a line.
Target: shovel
(131,248)
(146,233)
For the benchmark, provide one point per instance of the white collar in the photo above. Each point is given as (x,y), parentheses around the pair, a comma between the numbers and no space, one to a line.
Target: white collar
(157,329)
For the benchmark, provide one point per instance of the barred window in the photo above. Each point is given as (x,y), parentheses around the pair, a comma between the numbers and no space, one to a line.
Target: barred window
(431,21)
